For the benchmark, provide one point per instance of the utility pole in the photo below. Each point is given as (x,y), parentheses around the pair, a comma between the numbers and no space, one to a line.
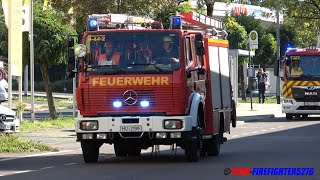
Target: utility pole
(278,54)
(31,62)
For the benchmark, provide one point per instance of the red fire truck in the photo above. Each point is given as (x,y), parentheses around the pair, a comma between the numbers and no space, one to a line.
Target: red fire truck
(140,85)
(301,82)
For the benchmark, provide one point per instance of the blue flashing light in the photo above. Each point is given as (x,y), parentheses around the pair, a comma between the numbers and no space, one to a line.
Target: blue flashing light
(93,24)
(117,104)
(176,22)
(144,103)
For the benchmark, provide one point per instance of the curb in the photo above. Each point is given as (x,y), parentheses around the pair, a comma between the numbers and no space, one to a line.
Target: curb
(254,119)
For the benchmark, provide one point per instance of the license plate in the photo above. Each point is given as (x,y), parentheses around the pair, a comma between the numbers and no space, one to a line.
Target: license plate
(311,103)
(131,128)
(4,126)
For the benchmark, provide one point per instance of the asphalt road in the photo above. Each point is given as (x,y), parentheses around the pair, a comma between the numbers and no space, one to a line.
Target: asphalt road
(270,143)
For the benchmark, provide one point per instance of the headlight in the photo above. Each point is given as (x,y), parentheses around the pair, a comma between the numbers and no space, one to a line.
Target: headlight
(88,125)
(287,101)
(80,50)
(173,124)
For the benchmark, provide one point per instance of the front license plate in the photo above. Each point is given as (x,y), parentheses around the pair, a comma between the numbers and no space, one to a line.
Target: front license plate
(4,126)
(311,103)
(135,128)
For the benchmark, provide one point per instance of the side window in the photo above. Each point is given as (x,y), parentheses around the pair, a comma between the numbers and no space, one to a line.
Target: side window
(188,52)
(194,57)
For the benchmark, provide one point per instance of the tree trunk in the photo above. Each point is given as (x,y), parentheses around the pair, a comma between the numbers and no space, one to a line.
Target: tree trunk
(243,89)
(209,9)
(46,80)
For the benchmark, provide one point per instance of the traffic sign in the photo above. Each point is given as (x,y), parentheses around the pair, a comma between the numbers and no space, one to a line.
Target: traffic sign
(253,40)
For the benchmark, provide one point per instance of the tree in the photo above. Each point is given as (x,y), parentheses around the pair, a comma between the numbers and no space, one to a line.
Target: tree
(238,39)
(49,45)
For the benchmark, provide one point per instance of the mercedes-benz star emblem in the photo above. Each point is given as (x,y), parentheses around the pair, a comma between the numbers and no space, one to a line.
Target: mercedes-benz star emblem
(3,117)
(130,97)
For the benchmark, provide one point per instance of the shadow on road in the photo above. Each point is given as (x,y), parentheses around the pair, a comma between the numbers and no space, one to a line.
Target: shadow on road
(296,147)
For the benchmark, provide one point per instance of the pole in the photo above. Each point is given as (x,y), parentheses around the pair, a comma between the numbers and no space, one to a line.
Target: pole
(31,62)
(26,72)
(278,55)
(250,75)
(20,95)
(75,67)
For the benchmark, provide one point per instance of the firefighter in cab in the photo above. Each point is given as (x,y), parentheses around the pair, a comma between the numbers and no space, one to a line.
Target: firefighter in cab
(109,57)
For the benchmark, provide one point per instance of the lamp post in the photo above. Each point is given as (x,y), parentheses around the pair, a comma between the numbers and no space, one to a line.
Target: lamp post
(278,55)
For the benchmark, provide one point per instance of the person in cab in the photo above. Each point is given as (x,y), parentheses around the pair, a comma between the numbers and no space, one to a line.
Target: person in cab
(109,57)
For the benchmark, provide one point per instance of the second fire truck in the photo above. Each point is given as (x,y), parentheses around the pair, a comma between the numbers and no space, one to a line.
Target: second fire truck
(145,96)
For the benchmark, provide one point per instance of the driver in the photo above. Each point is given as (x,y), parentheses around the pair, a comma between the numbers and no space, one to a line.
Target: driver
(168,52)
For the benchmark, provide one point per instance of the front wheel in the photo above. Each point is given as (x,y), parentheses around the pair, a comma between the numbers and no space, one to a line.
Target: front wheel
(192,152)
(305,115)
(289,116)
(90,151)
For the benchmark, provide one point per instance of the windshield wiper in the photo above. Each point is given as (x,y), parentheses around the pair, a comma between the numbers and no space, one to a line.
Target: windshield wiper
(146,64)
(115,67)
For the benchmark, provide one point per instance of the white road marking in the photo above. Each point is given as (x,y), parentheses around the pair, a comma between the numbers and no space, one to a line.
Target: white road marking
(34,155)
(235,136)
(245,134)
(254,132)
(48,167)
(263,130)
(69,164)
(280,126)
(19,172)
(272,128)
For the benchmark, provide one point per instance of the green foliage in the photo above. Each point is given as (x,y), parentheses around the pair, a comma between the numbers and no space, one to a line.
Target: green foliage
(45,124)
(268,100)
(13,143)
(50,34)
(237,35)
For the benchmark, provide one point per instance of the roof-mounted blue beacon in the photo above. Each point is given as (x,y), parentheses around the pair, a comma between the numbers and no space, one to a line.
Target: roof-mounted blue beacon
(92,24)
(176,22)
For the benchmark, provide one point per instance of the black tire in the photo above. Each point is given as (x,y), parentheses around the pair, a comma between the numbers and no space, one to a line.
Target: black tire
(193,149)
(120,149)
(192,152)
(90,151)
(289,116)
(305,115)
(134,150)
(297,115)
(213,146)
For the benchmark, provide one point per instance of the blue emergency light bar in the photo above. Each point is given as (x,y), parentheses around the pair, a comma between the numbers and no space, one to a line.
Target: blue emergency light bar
(176,22)
(92,24)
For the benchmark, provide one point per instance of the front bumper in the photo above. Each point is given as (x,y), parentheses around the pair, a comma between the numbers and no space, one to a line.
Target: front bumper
(150,127)
(291,106)
(9,127)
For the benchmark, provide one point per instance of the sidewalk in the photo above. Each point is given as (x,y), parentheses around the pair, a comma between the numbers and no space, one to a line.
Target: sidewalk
(259,111)
(43,94)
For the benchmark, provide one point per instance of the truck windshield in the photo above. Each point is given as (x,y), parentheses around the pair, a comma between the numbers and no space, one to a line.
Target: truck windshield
(138,52)
(303,67)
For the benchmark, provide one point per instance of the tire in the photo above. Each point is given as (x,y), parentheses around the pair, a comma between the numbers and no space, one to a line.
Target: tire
(192,152)
(213,146)
(297,115)
(289,116)
(305,115)
(134,150)
(120,149)
(90,151)
(193,149)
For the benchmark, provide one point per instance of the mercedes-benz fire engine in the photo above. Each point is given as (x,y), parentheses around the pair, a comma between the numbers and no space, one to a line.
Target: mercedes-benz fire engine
(147,95)
(301,82)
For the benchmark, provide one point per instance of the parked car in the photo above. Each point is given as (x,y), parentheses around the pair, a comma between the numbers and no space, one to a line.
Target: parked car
(3,90)
(9,122)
